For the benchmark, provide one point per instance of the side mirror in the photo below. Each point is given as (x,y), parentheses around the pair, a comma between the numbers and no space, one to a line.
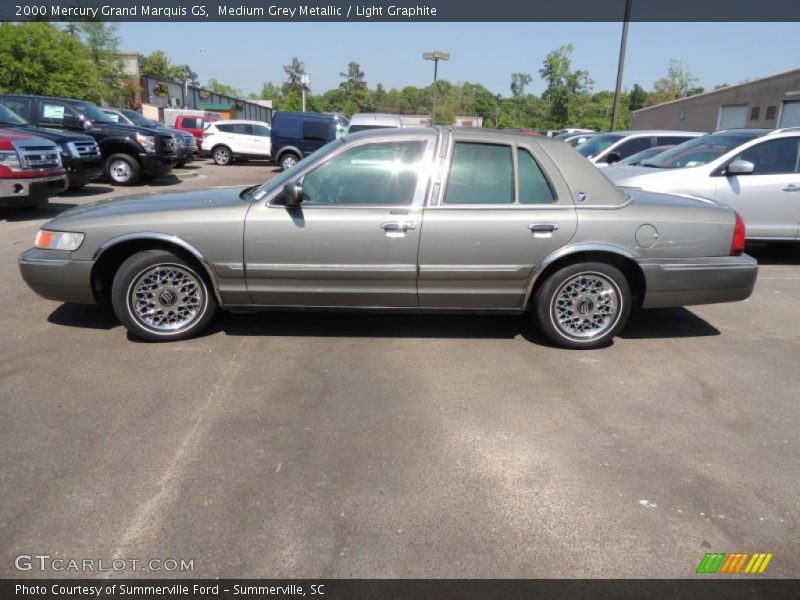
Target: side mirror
(293,193)
(613,157)
(740,167)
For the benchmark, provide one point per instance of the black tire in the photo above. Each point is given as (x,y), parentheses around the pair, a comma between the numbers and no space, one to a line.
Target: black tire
(593,300)
(180,297)
(122,169)
(222,155)
(288,160)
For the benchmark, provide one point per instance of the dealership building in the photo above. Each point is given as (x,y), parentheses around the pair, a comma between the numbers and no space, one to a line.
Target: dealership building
(769,102)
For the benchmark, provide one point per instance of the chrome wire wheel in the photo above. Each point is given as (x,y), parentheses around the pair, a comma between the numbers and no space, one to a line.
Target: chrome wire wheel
(586,306)
(167,298)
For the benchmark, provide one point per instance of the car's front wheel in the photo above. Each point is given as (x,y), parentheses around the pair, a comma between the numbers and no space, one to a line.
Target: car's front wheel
(584,305)
(289,160)
(158,296)
(123,169)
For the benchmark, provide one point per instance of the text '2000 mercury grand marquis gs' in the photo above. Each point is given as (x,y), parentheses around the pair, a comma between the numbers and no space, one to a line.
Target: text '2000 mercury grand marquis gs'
(403,219)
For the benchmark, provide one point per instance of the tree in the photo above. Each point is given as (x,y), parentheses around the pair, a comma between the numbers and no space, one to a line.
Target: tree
(221,88)
(294,76)
(679,83)
(565,88)
(156,64)
(102,41)
(355,94)
(637,97)
(39,58)
(518,83)
(184,73)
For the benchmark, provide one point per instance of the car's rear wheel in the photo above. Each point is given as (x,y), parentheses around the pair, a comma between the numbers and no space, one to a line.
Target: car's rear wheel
(159,296)
(289,160)
(122,169)
(222,155)
(584,305)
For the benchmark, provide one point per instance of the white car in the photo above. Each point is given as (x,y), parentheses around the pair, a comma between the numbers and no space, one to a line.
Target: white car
(754,171)
(229,140)
(608,148)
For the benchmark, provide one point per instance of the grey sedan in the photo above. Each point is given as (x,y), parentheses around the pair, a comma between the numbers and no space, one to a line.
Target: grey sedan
(405,219)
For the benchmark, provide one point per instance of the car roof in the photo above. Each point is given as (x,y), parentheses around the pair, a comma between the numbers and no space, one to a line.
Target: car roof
(633,132)
(245,121)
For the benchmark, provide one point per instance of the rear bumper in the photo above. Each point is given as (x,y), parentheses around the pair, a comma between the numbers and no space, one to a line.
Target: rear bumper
(689,281)
(54,275)
(15,192)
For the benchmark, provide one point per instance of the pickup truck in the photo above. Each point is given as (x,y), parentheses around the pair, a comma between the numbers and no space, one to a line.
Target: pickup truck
(30,170)
(129,153)
(195,125)
(184,141)
(80,154)
(402,219)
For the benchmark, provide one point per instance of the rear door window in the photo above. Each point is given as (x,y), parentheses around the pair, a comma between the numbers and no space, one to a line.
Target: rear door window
(189,123)
(480,174)
(628,147)
(315,130)
(20,106)
(533,185)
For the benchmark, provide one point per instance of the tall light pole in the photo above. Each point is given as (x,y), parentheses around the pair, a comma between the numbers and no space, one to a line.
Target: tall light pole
(435,56)
(621,65)
(305,80)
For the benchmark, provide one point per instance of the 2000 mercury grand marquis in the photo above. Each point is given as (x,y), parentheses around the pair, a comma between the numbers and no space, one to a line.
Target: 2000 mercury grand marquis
(414,219)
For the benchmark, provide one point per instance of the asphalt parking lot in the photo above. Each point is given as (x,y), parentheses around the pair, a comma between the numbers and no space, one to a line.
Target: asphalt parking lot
(330,445)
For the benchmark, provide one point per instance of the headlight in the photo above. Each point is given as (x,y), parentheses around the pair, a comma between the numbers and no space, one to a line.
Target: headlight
(58,240)
(10,159)
(148,141)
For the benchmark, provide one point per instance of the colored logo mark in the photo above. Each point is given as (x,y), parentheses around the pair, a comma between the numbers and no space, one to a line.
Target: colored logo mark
(734,563)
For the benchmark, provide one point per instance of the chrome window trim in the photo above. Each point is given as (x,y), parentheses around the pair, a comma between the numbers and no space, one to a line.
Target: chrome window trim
(420,192)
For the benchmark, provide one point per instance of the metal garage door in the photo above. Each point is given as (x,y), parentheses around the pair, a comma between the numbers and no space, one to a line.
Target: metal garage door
(790,114)
(732,117)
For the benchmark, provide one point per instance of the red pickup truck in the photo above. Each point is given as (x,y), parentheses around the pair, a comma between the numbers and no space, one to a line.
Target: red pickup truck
(30,170)
(194,125)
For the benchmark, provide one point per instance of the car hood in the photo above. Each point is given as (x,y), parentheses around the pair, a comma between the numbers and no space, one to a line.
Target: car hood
(134,208)
(59,137)
(122,129)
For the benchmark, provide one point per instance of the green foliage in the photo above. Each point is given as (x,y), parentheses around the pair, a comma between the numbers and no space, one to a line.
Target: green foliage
(221,88)
(294,76)
(566,88)
(102,41)
(40,58)
(637,98)
(160,66)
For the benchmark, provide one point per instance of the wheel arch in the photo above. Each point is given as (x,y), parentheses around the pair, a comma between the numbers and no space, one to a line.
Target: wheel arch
(119,146)
(605,253)
(110,255)
(288,150)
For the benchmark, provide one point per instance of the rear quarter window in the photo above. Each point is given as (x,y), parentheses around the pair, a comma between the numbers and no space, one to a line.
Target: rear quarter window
(316,130)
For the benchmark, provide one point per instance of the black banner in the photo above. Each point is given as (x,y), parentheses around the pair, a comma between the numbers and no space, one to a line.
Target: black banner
(401,10)
(393,589)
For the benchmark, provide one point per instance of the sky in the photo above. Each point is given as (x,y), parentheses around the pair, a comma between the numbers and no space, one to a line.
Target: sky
(245,55)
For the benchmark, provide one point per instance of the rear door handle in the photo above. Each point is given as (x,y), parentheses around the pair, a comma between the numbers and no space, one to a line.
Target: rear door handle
(792,188)
(543,227)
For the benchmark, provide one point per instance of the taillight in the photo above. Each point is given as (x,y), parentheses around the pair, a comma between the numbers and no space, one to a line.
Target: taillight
(737,244)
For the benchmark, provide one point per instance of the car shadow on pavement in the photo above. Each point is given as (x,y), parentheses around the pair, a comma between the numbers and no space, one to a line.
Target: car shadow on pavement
(645,324)
(774,254)
(48,211)
(86,192)
(84,316)
(665,323)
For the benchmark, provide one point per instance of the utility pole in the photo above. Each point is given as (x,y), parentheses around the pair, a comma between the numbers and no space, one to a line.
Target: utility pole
(621,64)
(305,80)
(435,56)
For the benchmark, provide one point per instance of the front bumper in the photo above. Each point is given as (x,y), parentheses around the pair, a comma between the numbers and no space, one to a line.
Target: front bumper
(689,281)
(54,275)
(157,164)
(81,171)
(14,192)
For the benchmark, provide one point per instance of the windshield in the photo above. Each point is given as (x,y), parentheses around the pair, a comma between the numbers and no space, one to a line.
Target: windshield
(699,151)
(635,159)
(9,117)
(597,144)
(287,175)
(91,112)
(137,118)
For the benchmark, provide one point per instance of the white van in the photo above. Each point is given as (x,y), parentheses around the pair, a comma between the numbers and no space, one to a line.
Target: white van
(364,121)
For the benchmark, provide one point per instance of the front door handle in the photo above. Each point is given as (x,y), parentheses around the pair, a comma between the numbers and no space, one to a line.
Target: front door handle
(543,227)
(397,228)
(792,188)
